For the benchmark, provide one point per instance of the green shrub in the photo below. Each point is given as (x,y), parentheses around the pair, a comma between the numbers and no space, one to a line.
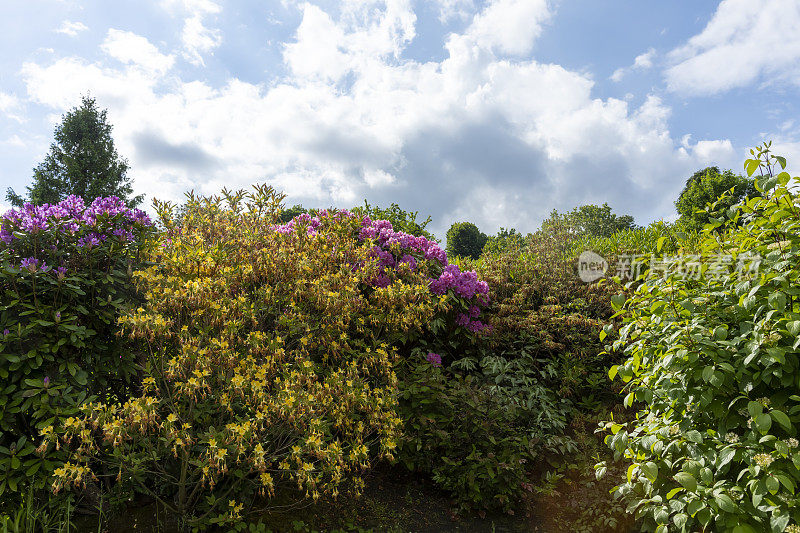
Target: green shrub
(65,278)
(271,352)
(713,364)
(474,443)
(464,239)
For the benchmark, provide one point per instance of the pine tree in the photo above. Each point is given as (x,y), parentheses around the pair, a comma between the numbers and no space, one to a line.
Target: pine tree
(82,161)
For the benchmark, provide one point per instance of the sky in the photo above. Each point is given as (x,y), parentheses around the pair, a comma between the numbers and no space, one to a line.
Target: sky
(494,112)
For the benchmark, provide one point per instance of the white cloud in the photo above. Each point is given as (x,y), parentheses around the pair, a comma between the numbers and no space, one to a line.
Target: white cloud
(641,62)
(14,141)
(452,9)
(71,29)
(362,39)
(11,107)
(478,136)
(198,40)
(509,26)
(745,42)
(133,49)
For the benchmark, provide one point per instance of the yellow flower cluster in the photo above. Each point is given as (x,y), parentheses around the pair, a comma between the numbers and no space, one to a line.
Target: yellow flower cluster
(270,361)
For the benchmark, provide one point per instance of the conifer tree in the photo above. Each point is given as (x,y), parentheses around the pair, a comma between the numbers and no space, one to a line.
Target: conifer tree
(82,161)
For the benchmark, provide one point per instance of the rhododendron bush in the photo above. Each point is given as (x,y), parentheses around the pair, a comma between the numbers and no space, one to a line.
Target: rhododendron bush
(271,356)
(65,278)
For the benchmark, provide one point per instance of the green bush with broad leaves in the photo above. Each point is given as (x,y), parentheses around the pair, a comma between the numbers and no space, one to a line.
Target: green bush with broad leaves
(712,364)
(65,278)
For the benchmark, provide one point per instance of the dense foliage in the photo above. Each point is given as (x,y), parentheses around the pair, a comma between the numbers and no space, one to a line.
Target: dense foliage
(708,186)
(591,220)
(271,353)
(496,408)
(504,240)
(82,162)
(464,239)
(65,278)
(712,363)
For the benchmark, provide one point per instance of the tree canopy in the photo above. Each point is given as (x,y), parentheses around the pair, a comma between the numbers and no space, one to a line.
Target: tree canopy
(598,221)
(707,186)
(464,239)
(82,161)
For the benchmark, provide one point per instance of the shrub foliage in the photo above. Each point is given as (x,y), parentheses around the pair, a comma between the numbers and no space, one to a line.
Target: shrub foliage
(65,278)
(712,361)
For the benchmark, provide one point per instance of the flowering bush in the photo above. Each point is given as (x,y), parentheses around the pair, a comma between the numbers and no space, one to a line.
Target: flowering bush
(65,274)
(271,357)
(398,252)
(713,361)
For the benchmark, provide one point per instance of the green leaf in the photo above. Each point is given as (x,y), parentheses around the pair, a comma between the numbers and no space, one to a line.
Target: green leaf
(687,480)
(793,327)
(650,469)
(725,457)
(725,503)
(781,418)
(763,423)
(694,436)
(777,300)
(772,485)
(671,494)
(751,165)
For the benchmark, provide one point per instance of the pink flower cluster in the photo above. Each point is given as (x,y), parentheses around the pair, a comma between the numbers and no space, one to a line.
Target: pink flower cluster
(391,244)
(49,229)
(70,215)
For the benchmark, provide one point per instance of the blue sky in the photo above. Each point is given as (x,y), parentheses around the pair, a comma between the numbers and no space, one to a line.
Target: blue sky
(494,112)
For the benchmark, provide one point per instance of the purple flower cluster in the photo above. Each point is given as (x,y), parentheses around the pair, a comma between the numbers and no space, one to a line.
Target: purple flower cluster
(464,284)
(434,358)
(33,264)
(54,227)
(312,223)
(391,244)
(70,215)
(467,320)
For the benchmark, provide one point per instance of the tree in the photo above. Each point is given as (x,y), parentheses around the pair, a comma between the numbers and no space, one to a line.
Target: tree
(290,212)
(707,186)
(504,240)
(464,239)
(598,221)
(82,161)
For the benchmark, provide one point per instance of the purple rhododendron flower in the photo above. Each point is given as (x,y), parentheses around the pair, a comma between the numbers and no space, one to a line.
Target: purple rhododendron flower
(31,263)
(6,332)
(434,358)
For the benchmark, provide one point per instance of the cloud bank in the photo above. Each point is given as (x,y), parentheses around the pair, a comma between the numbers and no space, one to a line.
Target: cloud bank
(487,134)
